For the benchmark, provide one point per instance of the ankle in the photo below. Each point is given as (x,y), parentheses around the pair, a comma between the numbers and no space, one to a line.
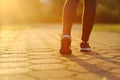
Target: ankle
(66,34)
(85,42)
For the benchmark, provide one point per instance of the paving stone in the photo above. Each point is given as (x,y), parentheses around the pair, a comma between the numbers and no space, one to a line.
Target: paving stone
(47,66)
(14,59)
(14,64)
(88,76)
(13,71)
(16,77)
(115,70)
(30,54)
(45,61)
(53,74)
(14,55)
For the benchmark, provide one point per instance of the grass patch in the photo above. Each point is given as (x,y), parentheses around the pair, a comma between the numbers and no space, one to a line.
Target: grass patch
(107,27)
(97,27)
(14,27)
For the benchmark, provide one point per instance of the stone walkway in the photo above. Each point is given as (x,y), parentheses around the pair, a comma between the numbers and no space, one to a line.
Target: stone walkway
(32,54)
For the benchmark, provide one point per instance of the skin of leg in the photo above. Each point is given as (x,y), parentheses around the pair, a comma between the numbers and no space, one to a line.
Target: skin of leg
(69,13)
(88,18)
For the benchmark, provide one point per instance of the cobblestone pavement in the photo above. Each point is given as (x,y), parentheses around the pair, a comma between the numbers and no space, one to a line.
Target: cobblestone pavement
(32,54)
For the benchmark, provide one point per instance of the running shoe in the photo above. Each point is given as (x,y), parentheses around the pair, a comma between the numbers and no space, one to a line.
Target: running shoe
(84,47)
(65,45)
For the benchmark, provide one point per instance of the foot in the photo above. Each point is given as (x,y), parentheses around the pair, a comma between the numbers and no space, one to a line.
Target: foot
(65,45)
(84,47)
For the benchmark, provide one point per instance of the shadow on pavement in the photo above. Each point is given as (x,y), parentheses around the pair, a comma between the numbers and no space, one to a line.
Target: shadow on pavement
(98,56)
(92,67)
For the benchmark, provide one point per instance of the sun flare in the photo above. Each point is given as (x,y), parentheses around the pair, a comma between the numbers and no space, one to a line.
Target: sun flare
(43,1)
(23,11)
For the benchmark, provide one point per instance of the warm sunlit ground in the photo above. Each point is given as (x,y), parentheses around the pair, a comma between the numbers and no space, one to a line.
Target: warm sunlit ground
(31,52)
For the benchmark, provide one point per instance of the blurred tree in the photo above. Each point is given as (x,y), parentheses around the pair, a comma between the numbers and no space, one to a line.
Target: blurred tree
(108,11)
(35,11)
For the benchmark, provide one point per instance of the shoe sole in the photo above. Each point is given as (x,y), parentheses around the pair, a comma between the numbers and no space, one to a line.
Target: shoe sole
(65,52)
(85,49)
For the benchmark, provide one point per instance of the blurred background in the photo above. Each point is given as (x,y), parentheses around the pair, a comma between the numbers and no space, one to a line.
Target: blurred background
(50,11)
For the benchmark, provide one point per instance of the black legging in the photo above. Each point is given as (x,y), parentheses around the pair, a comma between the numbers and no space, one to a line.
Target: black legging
(69,14)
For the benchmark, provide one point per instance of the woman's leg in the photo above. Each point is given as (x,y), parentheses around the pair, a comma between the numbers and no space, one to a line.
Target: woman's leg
(87,23)
(88,18)
(69,14)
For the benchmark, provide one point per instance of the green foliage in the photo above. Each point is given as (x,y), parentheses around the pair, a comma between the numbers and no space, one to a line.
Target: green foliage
(108,11)
(107,27)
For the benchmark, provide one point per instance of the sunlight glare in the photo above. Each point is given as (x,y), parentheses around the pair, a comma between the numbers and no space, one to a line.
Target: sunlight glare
(43,1)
